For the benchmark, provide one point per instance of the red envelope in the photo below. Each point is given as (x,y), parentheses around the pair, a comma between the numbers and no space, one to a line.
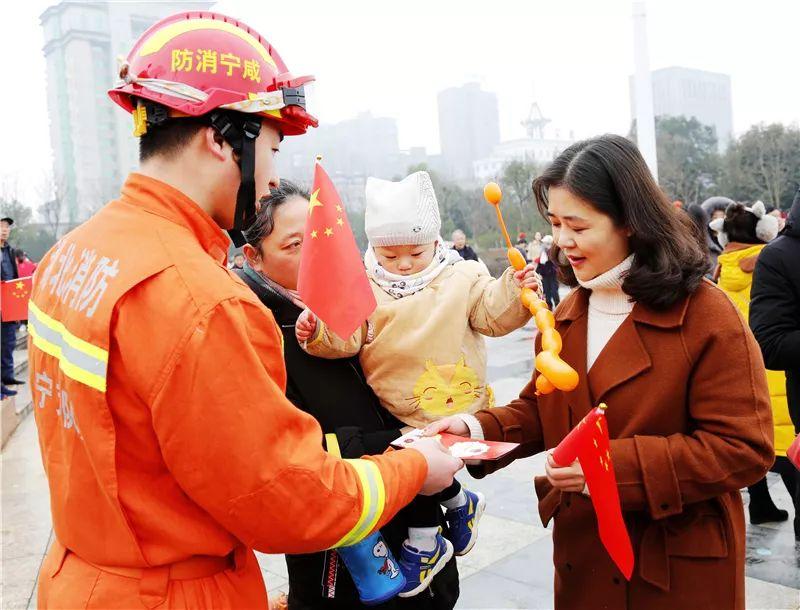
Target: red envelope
(465,448)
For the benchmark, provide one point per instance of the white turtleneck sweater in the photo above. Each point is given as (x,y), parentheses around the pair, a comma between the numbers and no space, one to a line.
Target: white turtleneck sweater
(608,308)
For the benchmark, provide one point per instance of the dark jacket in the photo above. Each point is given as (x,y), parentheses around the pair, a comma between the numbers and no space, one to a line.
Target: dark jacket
(775,307)
(546,269)
(9,263)
(467,253)
(336,393)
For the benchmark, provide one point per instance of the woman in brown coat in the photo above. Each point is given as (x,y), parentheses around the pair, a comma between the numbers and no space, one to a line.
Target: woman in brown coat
(688,405)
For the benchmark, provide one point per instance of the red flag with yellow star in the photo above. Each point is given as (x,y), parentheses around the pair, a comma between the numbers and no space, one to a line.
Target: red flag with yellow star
(588,441)
(14,295)
(333,282)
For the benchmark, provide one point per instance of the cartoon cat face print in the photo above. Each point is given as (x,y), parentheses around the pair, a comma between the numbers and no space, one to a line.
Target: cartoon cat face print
(446,389)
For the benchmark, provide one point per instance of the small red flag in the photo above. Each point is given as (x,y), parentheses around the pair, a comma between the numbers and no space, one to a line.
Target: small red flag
(333,282)
(14,296)
(588,441)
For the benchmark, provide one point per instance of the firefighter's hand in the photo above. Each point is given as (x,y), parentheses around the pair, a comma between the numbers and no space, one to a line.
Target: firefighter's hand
(441,465)
(565,478)
(305,326)
(528,278)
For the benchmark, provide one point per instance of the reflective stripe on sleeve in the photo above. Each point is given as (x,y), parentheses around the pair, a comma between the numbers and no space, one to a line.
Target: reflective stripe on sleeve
(78,359)
(374,500)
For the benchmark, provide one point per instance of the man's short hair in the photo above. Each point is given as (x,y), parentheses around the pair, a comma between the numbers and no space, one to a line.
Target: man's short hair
(459,232)
(167,139)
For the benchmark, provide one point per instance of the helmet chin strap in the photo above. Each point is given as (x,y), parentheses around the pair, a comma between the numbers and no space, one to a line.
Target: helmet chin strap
(241,133)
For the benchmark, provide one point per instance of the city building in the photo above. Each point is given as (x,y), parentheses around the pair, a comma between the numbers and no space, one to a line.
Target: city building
(351,150)
(93,145)
(469,128)
(693,93)
(542,144)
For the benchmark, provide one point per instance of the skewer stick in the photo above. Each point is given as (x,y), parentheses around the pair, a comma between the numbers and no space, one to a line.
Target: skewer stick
(493,195)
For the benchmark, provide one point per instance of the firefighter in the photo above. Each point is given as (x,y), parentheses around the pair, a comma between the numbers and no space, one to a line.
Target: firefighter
(158,377)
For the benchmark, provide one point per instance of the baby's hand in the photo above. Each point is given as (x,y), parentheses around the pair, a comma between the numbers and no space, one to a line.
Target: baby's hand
(528,278)
(305,326)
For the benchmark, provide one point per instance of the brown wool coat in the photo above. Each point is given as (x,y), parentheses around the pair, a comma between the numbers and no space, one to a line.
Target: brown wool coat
(690,422)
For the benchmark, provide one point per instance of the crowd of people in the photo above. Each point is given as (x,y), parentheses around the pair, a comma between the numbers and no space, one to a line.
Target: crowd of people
(15,265)
(537,253)
(766,298)
(247,423)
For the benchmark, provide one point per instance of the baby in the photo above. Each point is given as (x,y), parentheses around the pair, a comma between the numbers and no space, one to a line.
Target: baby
(422,350)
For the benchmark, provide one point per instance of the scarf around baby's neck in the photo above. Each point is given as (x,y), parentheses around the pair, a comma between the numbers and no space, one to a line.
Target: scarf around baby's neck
(399,286)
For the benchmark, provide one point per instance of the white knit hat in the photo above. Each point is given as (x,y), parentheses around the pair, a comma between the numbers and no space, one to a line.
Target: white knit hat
(402,213)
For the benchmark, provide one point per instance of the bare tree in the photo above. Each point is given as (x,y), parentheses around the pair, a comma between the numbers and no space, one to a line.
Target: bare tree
(52,190)
(517,183)
(765,164)
(10,204)
(93,200)
(9,188)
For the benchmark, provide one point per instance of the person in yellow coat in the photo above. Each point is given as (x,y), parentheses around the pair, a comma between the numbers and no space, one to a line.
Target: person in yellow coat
(743,233)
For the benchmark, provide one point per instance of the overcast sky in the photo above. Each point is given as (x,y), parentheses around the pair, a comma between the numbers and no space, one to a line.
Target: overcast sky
(392,57)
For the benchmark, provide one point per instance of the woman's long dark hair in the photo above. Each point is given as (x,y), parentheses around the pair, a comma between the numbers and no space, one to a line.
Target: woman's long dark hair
(264,222)
(609,173)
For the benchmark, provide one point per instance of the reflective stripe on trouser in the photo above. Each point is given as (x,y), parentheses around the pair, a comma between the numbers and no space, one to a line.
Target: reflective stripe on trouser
(78,359)
(374,500)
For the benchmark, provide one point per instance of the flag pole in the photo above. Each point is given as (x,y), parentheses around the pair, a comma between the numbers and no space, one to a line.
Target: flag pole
(567,450)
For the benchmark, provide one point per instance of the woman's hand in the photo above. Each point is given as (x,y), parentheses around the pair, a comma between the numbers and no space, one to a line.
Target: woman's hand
(305,326)
(528,278)
(453,425)
(565,478)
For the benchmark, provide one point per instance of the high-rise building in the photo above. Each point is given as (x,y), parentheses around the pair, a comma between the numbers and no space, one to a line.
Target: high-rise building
(93,145)
(469,127)
(703,95)
(351,150)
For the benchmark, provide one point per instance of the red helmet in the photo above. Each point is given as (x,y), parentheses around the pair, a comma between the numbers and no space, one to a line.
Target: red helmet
(197,62)
(203,63)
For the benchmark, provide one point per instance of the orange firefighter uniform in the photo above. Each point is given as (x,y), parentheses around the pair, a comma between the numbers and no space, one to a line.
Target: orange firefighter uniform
(169,447)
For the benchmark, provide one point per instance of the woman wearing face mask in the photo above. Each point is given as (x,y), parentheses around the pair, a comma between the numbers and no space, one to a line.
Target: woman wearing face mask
(688,405)
(335,393)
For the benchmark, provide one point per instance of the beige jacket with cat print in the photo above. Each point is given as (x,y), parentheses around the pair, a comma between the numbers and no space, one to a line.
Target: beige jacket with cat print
(425,358)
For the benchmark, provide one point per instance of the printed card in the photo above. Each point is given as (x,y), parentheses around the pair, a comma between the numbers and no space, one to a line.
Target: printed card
(464,448)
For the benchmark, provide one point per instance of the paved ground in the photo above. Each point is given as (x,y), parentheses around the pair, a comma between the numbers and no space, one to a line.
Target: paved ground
(510,567)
